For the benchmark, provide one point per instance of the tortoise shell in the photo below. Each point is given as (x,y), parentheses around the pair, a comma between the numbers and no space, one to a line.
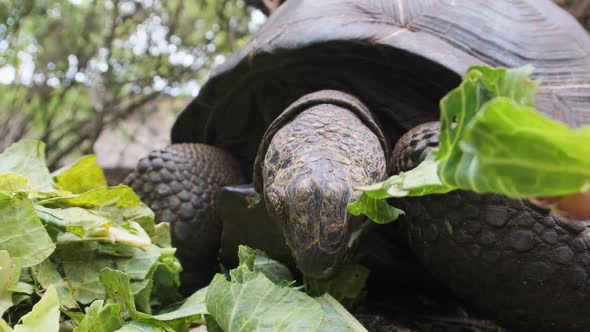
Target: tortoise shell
(398,57)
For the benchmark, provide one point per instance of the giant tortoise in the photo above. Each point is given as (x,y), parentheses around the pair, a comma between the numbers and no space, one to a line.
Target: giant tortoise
(314,106)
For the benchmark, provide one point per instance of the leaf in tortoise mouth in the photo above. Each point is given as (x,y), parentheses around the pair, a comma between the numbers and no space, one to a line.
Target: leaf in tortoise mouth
(492,140)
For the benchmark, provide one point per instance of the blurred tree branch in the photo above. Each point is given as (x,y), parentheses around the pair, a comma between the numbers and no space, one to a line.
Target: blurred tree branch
(80,67)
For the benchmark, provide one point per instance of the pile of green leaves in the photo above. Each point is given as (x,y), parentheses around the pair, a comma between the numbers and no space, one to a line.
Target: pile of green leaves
(259,295)
(74,241)
(492,140)
(78,255)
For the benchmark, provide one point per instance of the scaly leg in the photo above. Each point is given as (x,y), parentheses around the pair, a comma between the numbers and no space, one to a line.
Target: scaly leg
(179,184)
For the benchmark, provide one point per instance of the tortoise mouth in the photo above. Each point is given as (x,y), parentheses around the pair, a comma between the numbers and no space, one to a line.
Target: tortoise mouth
(317,274)
(318,262)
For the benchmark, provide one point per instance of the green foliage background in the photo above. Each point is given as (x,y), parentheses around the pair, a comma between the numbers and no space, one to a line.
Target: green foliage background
(72,68)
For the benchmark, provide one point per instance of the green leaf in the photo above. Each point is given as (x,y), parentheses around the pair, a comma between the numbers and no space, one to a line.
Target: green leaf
(376,209)
(259,304)
(347,286)
(212,325)
(47,275)
(4,327)
(140,214)
(162,237)
(101,318)
(9,275)
(142,291)
(82,176)
(118,288)
(258,261)
(193,308)
(421,180)
(492,140)
(94,225)
(120,196)
(27,158)
(460,106)
(21,232)
(513,83)
(558,163)
(336,317)
(44,316)
(13,182)
(83,262)
(142,326)
(166,278)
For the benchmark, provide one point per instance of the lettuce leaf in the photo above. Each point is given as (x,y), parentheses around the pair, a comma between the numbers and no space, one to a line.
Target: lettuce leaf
(259,296)
(492,140)
(336,317)
(82,176)
(119,290)
(83,245)
(21,232)
(9,275)
(142,326)
(44,316)
(257,261)
(27,158)
(13,182)
(63,234)
(101,317)
(556,163)
(47,275)
(4,327)
(259,304)
(120,196)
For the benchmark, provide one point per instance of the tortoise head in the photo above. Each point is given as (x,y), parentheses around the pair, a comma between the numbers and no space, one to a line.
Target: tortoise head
(310,205)
(309,171)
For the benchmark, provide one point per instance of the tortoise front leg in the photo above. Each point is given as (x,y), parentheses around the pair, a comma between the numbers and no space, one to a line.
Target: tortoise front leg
(179,184)
(518,263)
